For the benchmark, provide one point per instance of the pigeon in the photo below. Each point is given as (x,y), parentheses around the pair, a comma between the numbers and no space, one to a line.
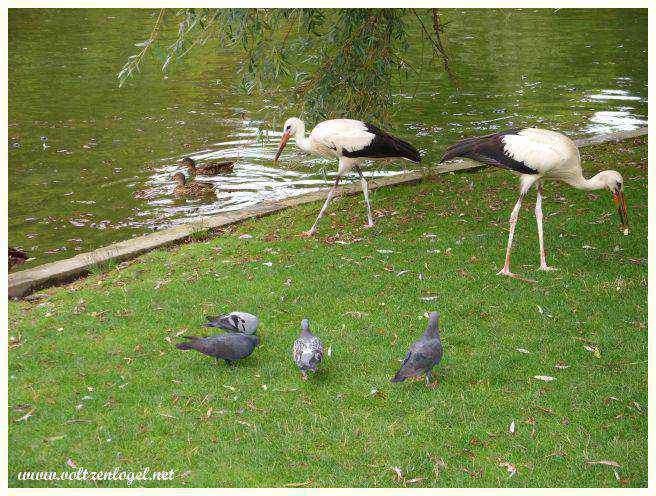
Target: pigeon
(228,347)
(424,353)
(242,322)
(308,350)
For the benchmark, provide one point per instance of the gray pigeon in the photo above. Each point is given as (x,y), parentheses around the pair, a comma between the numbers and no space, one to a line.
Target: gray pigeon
(242,322)
(424,353)
(228,347)
(308,350)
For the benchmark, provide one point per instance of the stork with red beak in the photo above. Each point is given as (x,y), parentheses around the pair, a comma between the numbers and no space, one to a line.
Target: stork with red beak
(535,155)
(350,141)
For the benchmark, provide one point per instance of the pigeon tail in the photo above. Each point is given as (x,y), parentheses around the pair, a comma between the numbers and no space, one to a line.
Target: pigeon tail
(192,344)
(185,345)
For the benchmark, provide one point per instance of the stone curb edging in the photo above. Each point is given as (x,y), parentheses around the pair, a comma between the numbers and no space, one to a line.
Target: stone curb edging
(24,282)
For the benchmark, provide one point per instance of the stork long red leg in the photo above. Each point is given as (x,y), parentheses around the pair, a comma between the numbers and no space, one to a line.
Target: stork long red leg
(514,215)
(538,219)
(365,190)
(331,193)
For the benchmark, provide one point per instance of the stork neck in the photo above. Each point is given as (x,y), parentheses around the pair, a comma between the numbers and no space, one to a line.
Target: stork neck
(595,182)
(301,141)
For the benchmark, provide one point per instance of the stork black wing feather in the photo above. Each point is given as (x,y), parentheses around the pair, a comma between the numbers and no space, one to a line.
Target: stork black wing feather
(489,150)
(384,145)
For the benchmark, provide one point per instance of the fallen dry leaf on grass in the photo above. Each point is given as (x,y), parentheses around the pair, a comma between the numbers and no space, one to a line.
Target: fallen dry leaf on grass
(610,463)
(357,315)
(512,470)
(71,463)
(161,283)
(596,352)
(545,378)
(438,463)
(300,484)
(52,439)
(26,416)
(511,429)
(376,393)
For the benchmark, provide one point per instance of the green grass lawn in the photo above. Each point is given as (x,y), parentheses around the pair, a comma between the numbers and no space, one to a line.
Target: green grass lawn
(94,377)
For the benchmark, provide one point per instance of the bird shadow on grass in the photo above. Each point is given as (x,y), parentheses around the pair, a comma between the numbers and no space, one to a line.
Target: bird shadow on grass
(210,364)
(319,378)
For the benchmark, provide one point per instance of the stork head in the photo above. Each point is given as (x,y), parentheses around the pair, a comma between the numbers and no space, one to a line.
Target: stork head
(614,182)
(292,125)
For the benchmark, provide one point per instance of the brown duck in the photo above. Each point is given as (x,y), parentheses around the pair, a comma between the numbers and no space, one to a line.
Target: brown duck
(191,188)
(211,169)
(17,257)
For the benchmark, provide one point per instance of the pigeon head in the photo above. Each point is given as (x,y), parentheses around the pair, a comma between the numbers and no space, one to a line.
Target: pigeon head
(433,325)
(305,327)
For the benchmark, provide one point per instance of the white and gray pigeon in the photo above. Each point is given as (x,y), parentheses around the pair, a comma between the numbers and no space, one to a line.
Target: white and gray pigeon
(242,322)
(424,353)
(308,350)
(229,346)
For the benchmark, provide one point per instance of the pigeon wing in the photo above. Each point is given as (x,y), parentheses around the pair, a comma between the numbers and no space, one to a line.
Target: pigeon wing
(297,352)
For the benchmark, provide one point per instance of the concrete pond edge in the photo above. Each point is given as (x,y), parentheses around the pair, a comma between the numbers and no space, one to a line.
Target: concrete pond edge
(24,282)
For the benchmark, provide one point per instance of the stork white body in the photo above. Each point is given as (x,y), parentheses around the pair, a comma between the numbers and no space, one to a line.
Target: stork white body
(351,142)
(536,155)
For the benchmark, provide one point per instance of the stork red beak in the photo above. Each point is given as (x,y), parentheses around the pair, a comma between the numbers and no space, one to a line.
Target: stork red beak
(281,147)
(620,203)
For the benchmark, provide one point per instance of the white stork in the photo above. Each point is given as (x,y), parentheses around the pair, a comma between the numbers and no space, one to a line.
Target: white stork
(350,141)
(537,154)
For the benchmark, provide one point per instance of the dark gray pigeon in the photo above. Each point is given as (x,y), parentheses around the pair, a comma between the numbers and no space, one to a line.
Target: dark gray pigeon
(228,347)
(242,322)
(424,353)
(308,350)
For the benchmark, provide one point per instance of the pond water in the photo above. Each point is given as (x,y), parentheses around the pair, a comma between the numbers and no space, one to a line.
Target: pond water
(90,163)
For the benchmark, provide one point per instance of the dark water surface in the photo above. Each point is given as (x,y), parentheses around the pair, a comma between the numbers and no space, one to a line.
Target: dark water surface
(90,163)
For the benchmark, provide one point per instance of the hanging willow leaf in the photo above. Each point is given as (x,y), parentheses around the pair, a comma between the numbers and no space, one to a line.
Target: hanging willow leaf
(315,63)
